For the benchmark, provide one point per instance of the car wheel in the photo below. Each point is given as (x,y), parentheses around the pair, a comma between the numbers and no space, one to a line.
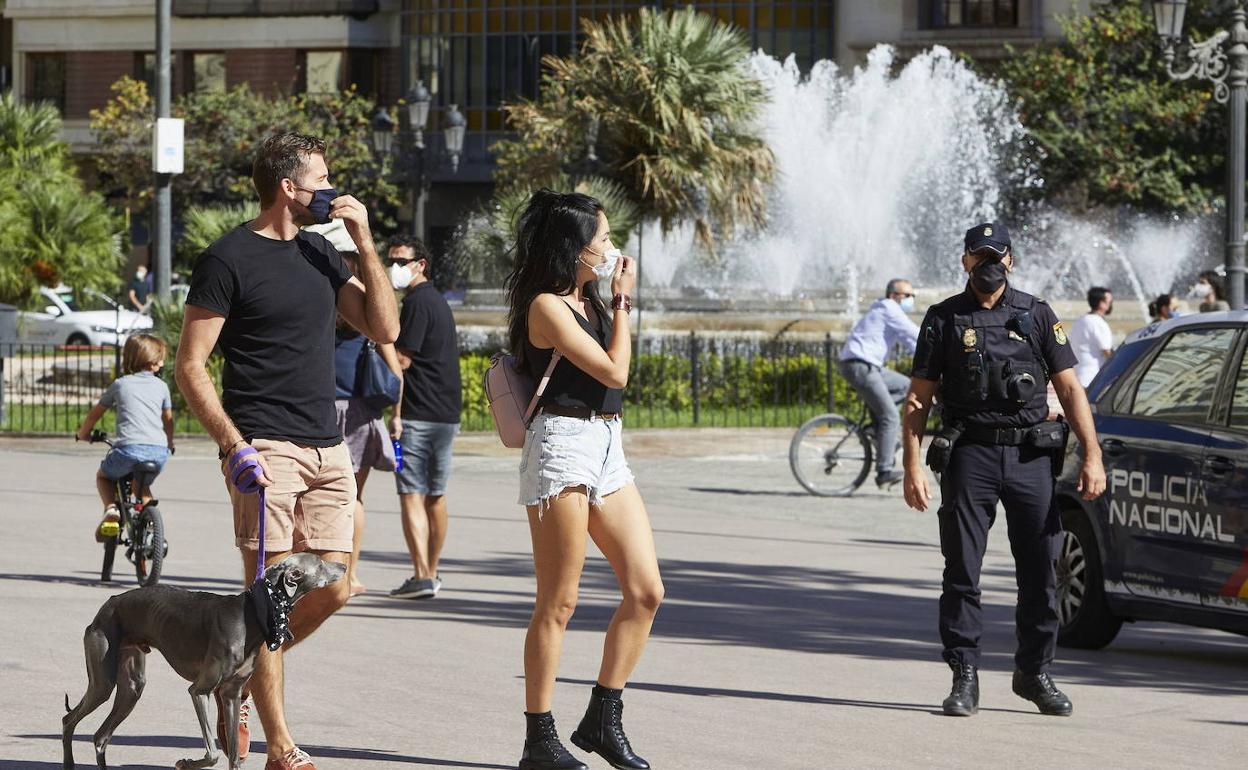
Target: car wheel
(1084,617)
(78,338)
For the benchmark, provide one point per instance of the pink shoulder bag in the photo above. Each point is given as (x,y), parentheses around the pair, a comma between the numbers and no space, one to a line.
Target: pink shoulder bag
(513,397)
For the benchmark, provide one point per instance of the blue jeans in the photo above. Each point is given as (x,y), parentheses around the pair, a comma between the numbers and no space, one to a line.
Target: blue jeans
(426,457)
(882,390)
(120,461)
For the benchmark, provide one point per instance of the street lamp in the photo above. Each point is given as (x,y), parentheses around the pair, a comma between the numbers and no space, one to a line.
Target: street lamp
(454,133)
(383,132)
(418,111)
(1226,67)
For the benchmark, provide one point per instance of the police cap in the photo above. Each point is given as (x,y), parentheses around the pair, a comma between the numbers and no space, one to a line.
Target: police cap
(992,235)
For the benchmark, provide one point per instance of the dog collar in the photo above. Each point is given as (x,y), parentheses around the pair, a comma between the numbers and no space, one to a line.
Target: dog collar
(272,610)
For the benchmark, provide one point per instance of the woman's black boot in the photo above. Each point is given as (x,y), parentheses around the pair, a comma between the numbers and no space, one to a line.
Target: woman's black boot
(542,749)
(602,732)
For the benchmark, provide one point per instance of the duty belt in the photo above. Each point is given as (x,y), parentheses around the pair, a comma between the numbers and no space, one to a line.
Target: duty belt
(999,436)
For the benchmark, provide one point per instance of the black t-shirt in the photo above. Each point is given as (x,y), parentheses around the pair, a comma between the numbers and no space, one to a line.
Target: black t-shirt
(431,385)
(279,300)
(941,347)
(140,289)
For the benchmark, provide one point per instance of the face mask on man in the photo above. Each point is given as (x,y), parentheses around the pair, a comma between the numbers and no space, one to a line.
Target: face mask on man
(907,304)
(320,203)
(1109,310)
(140,274)
(401,275)
(988,276)
(607,267)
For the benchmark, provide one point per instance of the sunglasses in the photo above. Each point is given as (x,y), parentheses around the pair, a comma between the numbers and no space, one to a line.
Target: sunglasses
(392,261)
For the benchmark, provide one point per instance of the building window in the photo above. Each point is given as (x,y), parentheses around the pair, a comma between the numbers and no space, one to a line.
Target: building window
(364,70)
(947,14)
(322,72)
(45,78)
(207,72)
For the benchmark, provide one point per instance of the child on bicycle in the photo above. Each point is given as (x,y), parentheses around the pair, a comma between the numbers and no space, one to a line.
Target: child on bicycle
(144,423)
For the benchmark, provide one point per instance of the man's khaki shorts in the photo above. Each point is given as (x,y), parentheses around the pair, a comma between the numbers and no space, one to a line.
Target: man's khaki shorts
(311,505)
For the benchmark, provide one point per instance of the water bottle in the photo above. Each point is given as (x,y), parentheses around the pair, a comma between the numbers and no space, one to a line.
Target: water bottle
(398,456)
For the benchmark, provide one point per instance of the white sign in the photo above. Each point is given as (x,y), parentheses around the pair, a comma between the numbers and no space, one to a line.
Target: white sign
(167,146)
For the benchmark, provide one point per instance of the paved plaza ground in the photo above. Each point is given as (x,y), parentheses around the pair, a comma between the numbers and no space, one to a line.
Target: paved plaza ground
(797,632)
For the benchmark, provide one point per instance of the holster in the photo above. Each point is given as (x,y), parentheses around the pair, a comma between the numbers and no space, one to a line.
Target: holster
(940,450)
(1053,436)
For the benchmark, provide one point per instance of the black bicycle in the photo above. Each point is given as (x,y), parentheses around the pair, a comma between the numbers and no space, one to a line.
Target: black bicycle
(141,530)
(831,455)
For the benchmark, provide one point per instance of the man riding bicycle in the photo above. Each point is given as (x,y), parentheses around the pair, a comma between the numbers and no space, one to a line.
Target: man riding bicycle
(884,326)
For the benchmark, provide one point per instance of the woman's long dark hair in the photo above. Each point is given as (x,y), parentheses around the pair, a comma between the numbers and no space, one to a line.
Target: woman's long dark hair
(550,236)
(1213,279)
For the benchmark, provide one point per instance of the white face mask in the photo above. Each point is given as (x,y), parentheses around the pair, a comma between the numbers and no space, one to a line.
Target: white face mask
(607,266)
(1201,290)
(907,304)
(401,276)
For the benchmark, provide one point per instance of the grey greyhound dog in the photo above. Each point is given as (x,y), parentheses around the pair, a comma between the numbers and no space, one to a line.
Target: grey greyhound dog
(211,641)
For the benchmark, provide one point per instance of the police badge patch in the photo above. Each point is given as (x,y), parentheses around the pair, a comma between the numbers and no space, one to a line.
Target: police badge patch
(1059,333)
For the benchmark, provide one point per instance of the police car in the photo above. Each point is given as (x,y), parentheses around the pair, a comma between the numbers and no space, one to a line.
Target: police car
(1169,538)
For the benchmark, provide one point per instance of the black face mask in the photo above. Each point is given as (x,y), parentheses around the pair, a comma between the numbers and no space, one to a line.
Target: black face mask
(987,277)
(1109,310)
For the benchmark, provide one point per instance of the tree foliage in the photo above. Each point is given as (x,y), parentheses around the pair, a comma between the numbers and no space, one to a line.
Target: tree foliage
(666,103)
(223,130)
(51,230)
(1111,126)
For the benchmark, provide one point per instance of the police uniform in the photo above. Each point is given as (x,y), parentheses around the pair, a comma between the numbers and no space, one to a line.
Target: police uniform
(993,366)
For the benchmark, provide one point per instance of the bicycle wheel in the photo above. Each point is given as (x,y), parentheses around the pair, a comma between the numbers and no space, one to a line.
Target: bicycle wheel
(830,456)
(149,546)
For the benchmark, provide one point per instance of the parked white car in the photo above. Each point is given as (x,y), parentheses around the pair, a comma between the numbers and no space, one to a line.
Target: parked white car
(88,319)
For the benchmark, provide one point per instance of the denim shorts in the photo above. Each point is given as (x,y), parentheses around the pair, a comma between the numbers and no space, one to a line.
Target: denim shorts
(120,461)
(561,452)
(426,457)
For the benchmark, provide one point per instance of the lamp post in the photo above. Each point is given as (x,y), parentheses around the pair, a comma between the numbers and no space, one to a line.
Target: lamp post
(410,151)
(1223,61)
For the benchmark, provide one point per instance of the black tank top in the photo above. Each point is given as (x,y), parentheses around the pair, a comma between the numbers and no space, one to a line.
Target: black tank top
(569,386)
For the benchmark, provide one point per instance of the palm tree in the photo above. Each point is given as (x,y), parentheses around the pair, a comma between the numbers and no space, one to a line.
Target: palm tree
(663,105)
(29,133)
(51,230)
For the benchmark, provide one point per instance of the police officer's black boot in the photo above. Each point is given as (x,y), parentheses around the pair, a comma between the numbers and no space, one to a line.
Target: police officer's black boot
(542,749)
(1040,690)
(602,732)
(963,700)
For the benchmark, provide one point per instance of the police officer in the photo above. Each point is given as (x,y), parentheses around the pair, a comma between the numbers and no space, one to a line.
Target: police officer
(989,352)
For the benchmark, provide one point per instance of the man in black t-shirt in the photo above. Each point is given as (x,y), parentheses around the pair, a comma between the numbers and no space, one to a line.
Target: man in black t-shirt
(427,416)
(266,292)
(139,290)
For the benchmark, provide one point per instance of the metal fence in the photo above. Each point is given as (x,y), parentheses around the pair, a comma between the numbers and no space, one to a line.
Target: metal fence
(693,380)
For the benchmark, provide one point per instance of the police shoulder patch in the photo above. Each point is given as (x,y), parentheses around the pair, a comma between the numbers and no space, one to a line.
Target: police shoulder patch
(1059,333)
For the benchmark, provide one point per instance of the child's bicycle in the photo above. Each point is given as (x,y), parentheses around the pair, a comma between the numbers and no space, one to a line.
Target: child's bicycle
(141,530)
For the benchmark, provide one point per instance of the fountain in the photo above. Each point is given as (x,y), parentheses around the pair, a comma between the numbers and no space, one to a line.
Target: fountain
(880,171)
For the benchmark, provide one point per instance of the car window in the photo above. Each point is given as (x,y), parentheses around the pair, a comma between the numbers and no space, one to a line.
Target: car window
(1239,401)
(68,298)
(1180,382)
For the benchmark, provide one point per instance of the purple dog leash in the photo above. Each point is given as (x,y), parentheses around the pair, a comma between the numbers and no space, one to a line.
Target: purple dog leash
(245,473)
(271,604)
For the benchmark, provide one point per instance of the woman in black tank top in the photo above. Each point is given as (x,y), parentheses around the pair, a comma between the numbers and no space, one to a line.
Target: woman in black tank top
(573,475)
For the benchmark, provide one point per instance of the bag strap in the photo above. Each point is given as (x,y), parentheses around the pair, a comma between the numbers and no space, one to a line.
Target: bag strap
(541,386)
